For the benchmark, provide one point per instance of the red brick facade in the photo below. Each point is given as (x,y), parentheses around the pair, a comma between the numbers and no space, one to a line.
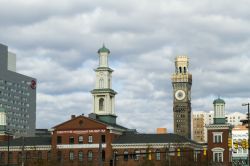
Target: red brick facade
(85,141)
(218,143)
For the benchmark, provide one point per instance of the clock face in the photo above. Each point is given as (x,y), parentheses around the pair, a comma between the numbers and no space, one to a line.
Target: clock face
(180,94)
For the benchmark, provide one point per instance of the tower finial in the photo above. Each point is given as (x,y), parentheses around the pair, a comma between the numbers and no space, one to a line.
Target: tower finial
(103,49)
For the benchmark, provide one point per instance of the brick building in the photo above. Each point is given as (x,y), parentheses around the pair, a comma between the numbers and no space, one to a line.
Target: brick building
(86,141)
(219,133)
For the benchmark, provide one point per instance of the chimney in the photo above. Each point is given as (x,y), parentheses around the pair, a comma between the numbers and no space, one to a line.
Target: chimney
(161,130)
(73,116)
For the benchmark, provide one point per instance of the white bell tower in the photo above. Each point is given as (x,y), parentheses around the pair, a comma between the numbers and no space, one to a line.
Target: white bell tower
(103,94)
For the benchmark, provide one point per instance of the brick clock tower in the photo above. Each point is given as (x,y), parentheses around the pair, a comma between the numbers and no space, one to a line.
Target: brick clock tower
(219,133)
(182,82)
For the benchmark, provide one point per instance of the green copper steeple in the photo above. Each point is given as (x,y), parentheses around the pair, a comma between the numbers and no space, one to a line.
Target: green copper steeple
(103,49)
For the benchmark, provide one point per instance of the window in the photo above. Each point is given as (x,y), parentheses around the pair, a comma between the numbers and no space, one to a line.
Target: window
(103,138)
(71,155)
(90,139)
(59,139)
(217,137)
(115,153)
(10,156)
(101,104)
(101,83)
(80,156)
(218,156)
(28,157)
(39,155)
(137,154)
(103,155)
(125,156)
(158,155)
(19,157)
(71,140)
(185,70)
(80,139)
(90,155)
(49,155)
(2,156)
(59,156)
(180,69)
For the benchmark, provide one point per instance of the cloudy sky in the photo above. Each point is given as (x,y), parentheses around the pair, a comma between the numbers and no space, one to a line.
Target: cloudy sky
(57,42)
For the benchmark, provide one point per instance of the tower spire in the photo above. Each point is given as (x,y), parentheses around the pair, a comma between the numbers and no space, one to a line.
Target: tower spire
(103,94)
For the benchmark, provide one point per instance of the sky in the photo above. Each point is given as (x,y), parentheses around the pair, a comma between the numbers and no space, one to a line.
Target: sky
(56,42)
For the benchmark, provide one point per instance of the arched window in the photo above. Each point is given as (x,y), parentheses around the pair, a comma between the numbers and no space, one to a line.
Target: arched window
(2,157)
(185,70)
(71,155)
(101,83)
(90,155)
(137,155)
(19,157)
(158,155)
(103,155)
(125,156)
(180,70)
(109,83)
(10,156)
(80,156)
(80,139)
(59,156)
(28,157)
(101,104)
(49,156)
(115,153)
(39,155)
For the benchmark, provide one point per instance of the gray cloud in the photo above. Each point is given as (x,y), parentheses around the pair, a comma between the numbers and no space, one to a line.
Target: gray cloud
(56,42)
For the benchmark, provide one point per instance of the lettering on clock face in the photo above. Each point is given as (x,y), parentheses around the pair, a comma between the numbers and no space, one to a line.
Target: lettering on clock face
(180,94)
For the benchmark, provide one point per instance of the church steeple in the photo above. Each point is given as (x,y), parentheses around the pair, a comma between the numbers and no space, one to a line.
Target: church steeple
(103,94)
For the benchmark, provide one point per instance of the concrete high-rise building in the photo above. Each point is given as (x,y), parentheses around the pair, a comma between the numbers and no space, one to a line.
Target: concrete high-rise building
(182,82)
(17,97)
(235,118)
(199,120)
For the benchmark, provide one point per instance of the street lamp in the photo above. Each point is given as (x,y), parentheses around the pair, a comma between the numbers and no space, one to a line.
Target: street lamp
(248,125)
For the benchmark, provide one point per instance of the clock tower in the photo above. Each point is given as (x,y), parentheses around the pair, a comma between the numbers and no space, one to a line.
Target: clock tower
(182,82)
(103,94)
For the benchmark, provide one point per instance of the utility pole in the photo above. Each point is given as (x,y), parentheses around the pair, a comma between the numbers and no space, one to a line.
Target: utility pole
(169,157)
(22,151)
(248,125)
(8,148)
(114,159)
(100,152)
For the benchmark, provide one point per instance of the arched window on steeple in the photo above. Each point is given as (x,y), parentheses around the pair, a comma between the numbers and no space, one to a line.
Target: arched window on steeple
(180,70)
(101,83)
(185,70)
(101,104)
(109,83)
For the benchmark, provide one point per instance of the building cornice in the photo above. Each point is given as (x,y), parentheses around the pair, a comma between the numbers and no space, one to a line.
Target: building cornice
(218,126)
(155,145)
(26,148)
